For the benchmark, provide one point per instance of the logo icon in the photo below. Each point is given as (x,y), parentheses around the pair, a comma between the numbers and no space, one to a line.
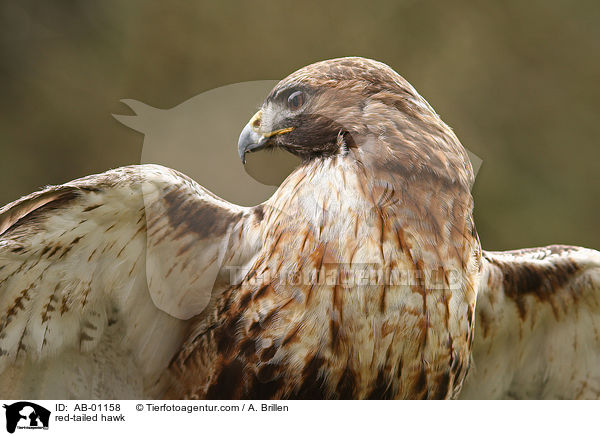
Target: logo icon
(26,415)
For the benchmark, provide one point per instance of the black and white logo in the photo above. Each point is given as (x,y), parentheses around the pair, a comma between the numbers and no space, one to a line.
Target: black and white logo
(26,415)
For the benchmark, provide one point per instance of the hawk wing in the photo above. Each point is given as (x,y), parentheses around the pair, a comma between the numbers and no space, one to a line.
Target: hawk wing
(537,328)
(101,274)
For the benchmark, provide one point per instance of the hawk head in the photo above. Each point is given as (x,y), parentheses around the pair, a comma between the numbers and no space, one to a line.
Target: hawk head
(360,107)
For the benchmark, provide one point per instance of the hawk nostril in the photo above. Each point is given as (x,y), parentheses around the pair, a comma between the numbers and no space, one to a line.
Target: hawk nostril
(255,121)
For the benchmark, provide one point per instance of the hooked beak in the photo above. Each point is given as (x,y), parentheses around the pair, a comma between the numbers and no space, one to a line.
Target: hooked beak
(253,139)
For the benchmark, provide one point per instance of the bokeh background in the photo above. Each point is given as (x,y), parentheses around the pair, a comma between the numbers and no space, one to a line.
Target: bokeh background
(518,81)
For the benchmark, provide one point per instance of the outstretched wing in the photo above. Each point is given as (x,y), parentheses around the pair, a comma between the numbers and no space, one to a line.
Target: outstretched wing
(537,329)
(98,277)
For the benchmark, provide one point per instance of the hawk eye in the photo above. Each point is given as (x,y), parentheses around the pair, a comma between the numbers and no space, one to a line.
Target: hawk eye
(296,100)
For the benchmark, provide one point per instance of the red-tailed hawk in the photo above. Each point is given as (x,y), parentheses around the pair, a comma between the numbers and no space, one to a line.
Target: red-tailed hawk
(361,277)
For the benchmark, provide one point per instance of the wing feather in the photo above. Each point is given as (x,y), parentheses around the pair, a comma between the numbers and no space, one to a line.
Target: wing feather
(98,277)
(537,330)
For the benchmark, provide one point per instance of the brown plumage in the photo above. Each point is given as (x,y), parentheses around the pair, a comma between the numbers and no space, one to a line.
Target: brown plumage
(358,278)
(365,134)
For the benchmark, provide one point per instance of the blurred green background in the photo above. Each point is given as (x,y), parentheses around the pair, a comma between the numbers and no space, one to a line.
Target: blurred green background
(518,81)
